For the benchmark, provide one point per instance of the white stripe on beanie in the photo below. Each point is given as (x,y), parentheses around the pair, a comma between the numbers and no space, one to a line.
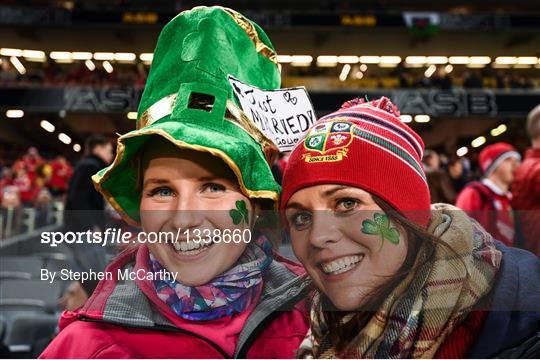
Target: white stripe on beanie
(500,159)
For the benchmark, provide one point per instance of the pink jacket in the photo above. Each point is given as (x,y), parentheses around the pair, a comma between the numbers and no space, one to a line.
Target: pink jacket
(126,319)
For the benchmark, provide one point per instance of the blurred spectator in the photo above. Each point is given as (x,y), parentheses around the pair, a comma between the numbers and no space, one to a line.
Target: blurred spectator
(405,79)
(23,182)
(515,81)
(43,175)
(28,169)
(276,171)
(472,80)
(10,211)
(279,166)
(526,189)
(421,82)
(61,173)
(81,193)
(456,172)
(42,205)
(8,73)
(6,180)
(442,80)
(85,208)
(502,80)
(31,161)
(10,197)
(440,186)
(283,160)
(488,200)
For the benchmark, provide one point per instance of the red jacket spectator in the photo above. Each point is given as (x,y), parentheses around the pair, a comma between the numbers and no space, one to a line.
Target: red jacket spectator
(491,207)
(526,190)
(32,160)
(24,183)
(489,201)
(6,180)
(61,173)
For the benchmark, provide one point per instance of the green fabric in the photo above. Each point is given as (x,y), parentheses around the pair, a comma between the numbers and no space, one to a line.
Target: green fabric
(203,46)
(195,53)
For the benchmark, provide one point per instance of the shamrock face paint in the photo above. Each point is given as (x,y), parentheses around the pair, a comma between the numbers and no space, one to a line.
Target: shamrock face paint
(346,242)
(240,214)
(380,225)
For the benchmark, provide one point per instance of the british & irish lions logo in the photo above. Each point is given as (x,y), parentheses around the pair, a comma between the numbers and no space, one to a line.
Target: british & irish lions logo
(330,140)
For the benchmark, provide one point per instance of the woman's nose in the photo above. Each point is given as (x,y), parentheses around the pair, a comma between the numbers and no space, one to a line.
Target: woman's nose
(186,215)
(323,231)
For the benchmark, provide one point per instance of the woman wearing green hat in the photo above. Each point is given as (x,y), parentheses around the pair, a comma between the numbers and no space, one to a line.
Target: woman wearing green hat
(198,168)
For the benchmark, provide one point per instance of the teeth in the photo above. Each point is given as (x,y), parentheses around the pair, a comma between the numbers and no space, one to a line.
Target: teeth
(189,247)
(341,265)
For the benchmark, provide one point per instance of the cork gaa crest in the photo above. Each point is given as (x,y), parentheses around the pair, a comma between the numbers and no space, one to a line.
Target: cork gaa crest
(330,140)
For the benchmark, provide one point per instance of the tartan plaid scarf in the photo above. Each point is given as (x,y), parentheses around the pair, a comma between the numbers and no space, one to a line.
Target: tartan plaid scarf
(425,308)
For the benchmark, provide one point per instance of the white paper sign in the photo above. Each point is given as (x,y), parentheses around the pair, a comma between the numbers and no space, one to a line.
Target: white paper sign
(284,115)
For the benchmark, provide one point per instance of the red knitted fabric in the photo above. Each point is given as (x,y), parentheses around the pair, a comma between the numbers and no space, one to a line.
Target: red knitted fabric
(365,145)
(458,344)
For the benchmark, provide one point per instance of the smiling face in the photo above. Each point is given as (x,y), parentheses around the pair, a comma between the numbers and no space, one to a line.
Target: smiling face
(345,241)
(192,191)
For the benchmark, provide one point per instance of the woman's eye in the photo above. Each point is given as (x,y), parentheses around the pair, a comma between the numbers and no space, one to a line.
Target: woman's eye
(161,192)
(301,220)
(213,187)
(345,205)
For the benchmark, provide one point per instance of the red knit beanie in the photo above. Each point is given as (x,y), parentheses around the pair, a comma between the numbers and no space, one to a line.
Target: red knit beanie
(365,145)
(493,155)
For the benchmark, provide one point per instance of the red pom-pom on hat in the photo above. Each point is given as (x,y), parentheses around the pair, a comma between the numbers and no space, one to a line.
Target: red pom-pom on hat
(383,103)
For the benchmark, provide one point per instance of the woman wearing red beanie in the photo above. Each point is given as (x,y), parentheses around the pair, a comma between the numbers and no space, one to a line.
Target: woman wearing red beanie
(395,276)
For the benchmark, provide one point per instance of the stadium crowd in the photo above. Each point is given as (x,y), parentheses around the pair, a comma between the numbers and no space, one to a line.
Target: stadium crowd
(31,180)
(54,74)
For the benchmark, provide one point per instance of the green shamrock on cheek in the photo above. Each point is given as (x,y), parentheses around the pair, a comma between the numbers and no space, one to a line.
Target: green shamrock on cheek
(380,225)
(240,213)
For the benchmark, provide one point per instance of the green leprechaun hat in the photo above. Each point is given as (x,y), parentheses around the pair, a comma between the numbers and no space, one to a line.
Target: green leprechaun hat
(189,101)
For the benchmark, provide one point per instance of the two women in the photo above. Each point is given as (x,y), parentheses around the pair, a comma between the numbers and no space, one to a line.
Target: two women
(196,168)
(397,278)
